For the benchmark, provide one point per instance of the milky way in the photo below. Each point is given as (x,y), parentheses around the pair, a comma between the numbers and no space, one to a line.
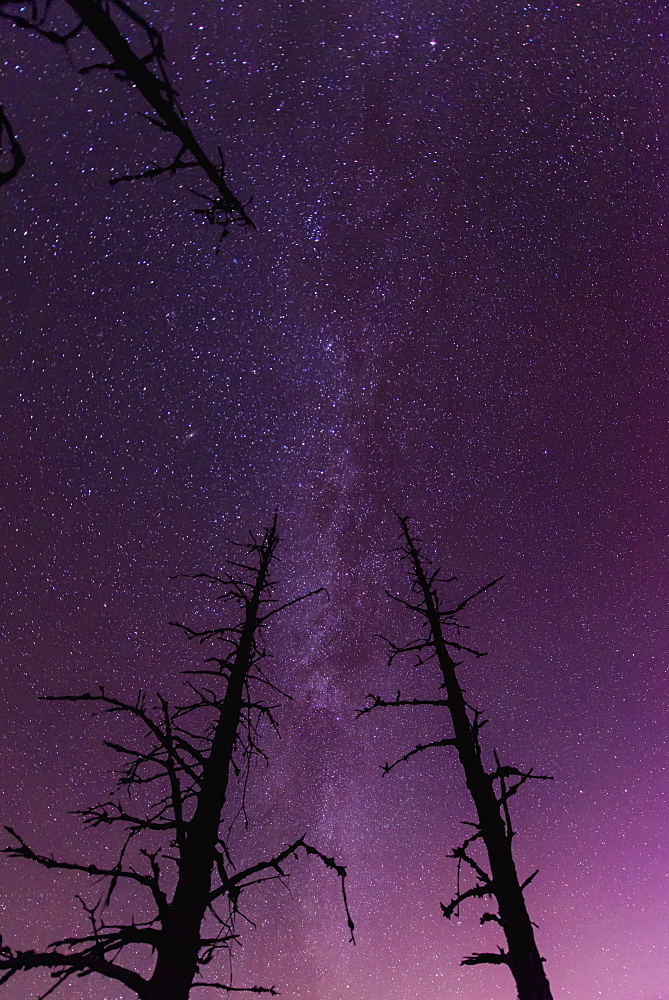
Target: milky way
(454,305)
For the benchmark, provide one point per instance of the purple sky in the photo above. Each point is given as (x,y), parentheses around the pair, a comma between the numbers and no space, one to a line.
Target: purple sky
(454,305)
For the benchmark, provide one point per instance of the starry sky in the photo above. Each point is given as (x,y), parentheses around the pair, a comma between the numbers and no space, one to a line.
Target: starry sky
(454,305)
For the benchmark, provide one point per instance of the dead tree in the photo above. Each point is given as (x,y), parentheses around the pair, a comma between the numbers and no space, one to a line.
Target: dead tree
(196,753)
(490,789)
(109,22)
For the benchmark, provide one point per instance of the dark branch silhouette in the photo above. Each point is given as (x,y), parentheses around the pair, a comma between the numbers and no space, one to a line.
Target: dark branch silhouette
(175,786)
(490,790)
(12,157)
(147,72)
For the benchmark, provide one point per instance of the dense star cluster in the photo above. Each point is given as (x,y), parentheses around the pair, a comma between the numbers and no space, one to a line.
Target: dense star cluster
(453,306)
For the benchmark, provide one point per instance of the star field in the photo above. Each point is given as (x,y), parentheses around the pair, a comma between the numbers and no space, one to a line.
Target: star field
(454,305)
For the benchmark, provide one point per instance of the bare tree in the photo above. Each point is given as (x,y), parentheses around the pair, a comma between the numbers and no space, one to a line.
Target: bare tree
(184,777)
(109,23)
(490,790)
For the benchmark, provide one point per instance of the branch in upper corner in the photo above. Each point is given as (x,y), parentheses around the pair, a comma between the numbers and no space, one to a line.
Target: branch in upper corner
(145,71)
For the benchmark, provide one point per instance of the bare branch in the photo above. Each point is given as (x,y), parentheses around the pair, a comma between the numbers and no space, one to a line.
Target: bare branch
(239,881)
(289,604)
(531,878)
(398,701)
(487,957)
(476,892)
(237,989)
(9,142)
(82,964)
(22,850)
(463,604)
(387,768)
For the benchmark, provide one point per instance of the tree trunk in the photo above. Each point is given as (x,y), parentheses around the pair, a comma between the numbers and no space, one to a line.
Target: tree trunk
(178,952)
(522,956)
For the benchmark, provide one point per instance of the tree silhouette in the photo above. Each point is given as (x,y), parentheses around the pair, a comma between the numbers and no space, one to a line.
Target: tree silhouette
(490,790)
(110,22)
(196,752)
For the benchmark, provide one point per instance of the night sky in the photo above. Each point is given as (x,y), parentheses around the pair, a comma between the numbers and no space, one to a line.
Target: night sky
(454,305)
